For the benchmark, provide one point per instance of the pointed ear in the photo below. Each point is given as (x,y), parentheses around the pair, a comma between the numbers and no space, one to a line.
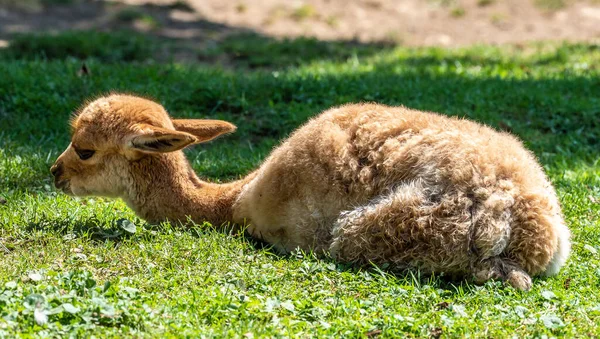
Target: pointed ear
(203,130)
(147,138)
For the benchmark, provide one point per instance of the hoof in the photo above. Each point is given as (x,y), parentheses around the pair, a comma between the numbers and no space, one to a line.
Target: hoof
(498,269)
(490,269)
(519,280)
(481,276)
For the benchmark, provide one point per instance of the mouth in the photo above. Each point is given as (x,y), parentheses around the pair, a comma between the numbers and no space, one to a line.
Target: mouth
(64,186)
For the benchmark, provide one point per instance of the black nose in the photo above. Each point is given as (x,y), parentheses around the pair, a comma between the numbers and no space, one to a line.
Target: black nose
(56,170)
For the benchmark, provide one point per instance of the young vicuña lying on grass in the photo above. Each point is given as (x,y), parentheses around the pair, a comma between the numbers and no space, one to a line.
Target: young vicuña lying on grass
(366,182)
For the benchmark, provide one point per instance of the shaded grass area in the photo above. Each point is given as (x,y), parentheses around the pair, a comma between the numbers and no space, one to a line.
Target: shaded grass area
(239,50)
(256,51)
(33,5)
(69,266)
(108,47)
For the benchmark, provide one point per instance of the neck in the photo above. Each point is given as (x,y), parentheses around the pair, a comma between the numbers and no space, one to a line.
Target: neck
(173,192)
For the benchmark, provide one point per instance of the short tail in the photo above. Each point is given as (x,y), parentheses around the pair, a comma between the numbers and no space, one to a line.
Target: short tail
(563,249)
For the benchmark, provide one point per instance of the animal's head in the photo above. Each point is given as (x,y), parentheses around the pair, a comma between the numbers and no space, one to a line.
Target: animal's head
(111,137)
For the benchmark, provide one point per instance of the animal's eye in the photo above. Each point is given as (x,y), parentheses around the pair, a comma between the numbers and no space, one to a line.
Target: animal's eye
(84,154)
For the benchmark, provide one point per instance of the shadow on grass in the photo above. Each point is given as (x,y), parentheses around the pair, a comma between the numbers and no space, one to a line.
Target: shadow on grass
(92,229)
(253,50)
(120,46)
(113,32)
(453,284)
(118,230)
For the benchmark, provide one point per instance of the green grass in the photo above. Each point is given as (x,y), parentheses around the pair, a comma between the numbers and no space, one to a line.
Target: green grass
(108,47)
(34,5)
(74,267)
(256,51)
(551,5)
(483,3)
(458,12)
(132,14)
(129,14)
(304,12)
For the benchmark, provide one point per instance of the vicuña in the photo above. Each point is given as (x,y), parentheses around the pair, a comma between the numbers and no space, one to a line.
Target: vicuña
(366,183)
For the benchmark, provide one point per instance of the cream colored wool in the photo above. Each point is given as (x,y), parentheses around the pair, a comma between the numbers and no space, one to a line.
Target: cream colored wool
(367,183)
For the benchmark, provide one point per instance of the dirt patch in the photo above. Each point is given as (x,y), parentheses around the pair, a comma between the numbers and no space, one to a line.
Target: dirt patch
(411,22)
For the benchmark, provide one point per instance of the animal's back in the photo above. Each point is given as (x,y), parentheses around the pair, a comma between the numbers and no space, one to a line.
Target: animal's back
(404,186)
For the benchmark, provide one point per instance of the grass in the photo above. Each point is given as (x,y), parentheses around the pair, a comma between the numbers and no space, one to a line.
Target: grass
(257,51)
(83,267)
(458,12)
(34,5)
(551,5)
(304,12)
(132,15)
(129,14)
(108,47)
(483,3)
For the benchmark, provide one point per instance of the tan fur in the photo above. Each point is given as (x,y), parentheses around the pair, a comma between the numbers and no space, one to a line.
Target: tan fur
(368,183)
